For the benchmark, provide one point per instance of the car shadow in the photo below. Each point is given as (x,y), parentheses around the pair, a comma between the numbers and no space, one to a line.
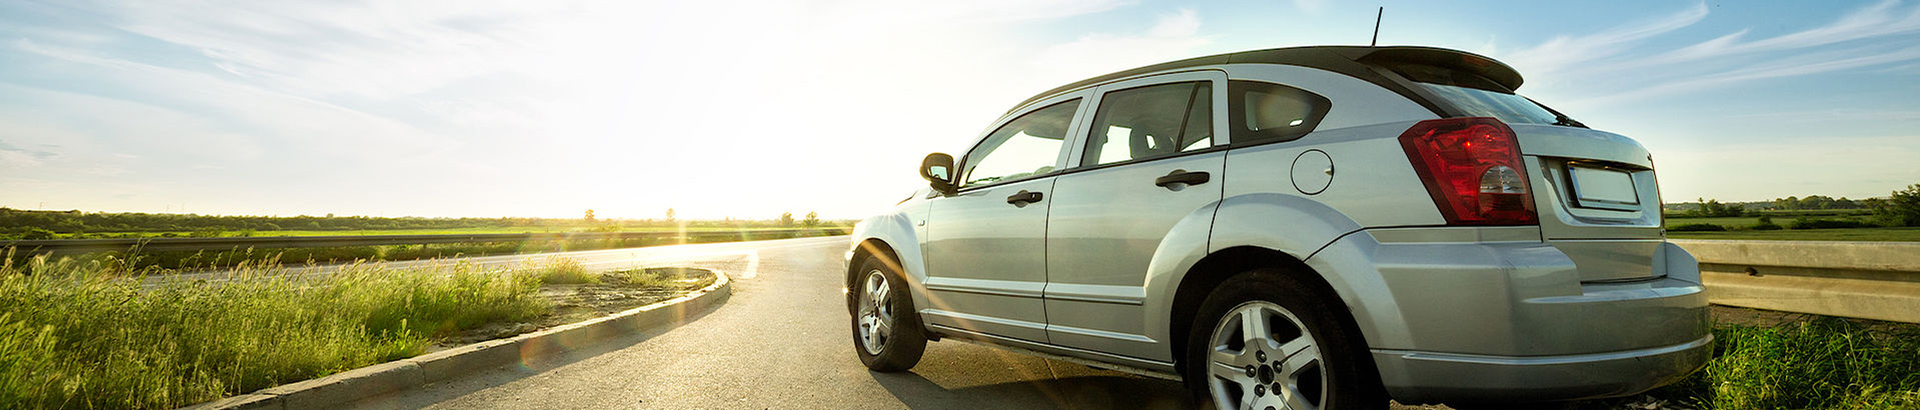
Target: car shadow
(933,387)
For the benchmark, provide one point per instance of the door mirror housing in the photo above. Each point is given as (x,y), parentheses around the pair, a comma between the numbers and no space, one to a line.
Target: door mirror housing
(937,168)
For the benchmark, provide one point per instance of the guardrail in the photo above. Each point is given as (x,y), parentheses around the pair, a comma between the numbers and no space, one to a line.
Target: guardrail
(1868,280)
(79,246)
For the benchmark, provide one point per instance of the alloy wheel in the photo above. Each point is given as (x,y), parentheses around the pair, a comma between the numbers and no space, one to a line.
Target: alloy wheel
(876,312)
(1261,357)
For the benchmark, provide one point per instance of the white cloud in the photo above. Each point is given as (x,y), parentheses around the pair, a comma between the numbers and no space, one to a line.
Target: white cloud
(1172,36)
(976,11)
(1310,6)
(1790,67)
(1562,52)
(482,108)
(371,49)
(1615,66)
(1883,19)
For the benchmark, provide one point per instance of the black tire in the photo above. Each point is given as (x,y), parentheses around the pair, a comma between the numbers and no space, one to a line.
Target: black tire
(1350,382)
(907,340)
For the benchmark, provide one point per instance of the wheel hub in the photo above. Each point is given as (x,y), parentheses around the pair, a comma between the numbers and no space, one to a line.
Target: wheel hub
(876,312)
(1262,357)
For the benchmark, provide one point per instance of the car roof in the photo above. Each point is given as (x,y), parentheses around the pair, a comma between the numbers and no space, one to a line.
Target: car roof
(1350,60)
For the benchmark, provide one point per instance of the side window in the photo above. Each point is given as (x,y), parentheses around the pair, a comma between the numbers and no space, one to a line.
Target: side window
(1151,121)
(1026,146)
(1266,112)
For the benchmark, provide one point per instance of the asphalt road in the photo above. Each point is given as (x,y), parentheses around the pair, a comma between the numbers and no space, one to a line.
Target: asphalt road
(781,342)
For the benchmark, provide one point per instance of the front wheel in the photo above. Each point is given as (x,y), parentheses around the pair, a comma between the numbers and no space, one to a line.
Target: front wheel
(1265,341)
(886,329)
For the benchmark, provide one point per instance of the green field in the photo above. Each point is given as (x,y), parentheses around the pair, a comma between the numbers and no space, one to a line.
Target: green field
(1741,228)
(453,231)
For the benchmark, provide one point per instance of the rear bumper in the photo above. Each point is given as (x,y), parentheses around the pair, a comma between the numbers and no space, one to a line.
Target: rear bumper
(1513,320)
(1426,376)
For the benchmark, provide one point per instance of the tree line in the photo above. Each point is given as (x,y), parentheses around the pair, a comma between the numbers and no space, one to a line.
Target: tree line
(1902,208)
(32,224)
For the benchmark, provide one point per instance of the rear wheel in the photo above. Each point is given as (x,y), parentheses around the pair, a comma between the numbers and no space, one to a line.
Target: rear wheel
(886,329)
(1264,341)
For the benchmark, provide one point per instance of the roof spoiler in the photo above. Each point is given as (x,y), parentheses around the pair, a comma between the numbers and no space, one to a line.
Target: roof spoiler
(1452,59)
(1350,60)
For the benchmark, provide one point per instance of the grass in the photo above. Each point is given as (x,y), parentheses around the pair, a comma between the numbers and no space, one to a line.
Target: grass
(1823,363)
(214,259)
(566,271)
(1742,228)
(448,231)
(86,334)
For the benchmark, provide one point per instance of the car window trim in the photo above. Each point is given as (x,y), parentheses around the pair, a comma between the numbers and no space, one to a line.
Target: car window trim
(1240,144)
(1184,114)
(1097,93)
(1073,125)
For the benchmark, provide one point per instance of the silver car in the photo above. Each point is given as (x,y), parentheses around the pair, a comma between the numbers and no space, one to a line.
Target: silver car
(1295,228)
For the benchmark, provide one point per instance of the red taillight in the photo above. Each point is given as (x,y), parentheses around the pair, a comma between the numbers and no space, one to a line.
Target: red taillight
(1472,168)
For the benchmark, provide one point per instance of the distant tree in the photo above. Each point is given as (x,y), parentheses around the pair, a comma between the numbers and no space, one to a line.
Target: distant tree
(1791,202)
(813,219)
(786,219)
(589,215)
(1713,208)
(36,234)
(670,215)
(1901,209)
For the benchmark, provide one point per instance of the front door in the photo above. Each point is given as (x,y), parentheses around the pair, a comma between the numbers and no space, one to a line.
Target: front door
(1150,162)
(986,245)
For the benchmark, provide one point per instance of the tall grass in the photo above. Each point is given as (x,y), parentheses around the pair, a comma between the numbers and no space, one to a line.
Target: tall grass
(1824,363)
(226,258)
(86,334)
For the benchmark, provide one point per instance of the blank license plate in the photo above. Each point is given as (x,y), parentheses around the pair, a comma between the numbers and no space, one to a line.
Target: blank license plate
(1600,186)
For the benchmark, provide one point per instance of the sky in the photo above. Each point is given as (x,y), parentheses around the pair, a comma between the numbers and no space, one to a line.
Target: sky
(746,109)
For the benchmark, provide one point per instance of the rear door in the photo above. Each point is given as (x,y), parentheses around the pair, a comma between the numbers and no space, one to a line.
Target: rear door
(1149,159)
(986,245)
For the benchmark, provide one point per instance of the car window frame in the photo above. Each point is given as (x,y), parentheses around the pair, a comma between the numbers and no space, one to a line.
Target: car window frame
(1313,123)
(1073,128)
(1218,81)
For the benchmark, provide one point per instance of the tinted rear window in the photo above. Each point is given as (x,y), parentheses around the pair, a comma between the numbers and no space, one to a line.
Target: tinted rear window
(1476,95)
(1508,107)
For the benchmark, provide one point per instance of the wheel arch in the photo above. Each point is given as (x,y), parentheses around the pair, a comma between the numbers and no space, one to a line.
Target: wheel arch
(1284,233)
(893,237)
(1207,275)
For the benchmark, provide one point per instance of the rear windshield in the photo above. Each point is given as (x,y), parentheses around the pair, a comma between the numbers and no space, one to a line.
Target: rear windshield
(1477,96)
(1508,107)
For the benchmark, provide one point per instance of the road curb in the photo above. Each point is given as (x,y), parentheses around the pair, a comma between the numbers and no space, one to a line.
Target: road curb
(352,385)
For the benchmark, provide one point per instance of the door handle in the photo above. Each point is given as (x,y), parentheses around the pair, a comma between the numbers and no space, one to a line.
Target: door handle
(1024,197)
(1181,176)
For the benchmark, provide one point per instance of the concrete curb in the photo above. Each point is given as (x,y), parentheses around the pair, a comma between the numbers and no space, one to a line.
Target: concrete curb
(352,385)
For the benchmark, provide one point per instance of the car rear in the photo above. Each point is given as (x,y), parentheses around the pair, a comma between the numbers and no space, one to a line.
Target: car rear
(1595,304)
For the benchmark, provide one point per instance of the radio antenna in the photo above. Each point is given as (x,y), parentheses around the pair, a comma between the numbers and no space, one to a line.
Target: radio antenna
(1376,26)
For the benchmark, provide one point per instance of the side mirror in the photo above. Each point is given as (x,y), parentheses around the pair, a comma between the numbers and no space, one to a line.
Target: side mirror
(937,168)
